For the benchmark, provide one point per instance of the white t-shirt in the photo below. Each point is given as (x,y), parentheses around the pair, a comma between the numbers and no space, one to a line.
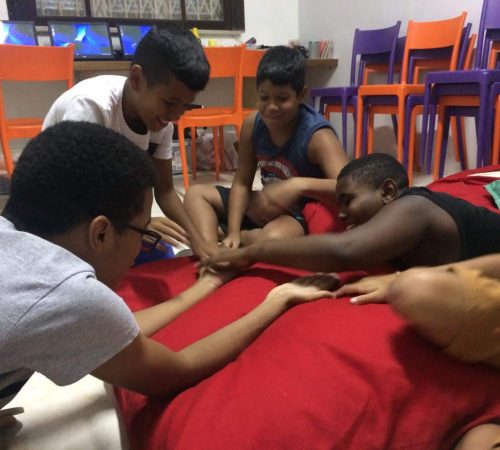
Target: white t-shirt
(56,318)
(99,100)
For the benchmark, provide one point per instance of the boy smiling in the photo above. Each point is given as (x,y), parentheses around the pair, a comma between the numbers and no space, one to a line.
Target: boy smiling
(298,154)
(168,69)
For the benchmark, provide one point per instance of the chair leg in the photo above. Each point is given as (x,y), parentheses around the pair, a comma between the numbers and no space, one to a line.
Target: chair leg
(369,137)
(444,146)
(410,154)
(193,152)
(344,122)
(216,153)
(7,156)
(222,147)
(394,124)
(359,127)
(496,135)
(182,151)
(401,124)
(462,144)
(437,147)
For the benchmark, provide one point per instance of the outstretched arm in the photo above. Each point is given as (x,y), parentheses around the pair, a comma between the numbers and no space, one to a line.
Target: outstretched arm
(150,368)
(395,230)
(152,319)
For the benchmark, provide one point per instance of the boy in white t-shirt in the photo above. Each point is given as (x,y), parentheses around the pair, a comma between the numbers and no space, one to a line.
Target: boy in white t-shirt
(168,70)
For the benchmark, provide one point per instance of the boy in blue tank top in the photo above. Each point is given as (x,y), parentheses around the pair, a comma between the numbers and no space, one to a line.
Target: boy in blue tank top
(298,154)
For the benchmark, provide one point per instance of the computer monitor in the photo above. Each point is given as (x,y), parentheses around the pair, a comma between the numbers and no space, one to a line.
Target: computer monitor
(19,33)
(130,35)
(91,40)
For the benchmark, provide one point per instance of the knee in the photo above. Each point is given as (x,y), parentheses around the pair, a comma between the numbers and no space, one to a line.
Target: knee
(412,289)
(272,233)
(196,193)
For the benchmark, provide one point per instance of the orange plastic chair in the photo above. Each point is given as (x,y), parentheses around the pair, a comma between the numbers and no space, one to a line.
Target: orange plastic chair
(29,64)
(225,62)
(420,36)
(251,60)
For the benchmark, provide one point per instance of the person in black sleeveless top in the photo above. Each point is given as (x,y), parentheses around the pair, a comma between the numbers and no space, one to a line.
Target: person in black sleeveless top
(387,223)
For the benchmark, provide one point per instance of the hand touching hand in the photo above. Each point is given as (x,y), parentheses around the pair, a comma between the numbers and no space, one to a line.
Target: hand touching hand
(372,289)
(226,259)
(231,241)
(304,289)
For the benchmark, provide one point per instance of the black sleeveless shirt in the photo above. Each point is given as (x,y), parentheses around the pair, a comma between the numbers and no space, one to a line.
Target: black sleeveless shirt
(478,227)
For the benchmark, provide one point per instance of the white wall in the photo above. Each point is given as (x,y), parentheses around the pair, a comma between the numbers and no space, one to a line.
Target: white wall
(337,20)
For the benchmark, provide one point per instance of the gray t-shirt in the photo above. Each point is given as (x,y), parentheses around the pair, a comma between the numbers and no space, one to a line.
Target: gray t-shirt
(56,318)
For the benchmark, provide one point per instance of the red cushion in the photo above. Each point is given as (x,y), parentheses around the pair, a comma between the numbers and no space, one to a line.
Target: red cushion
(321,218)
(324,375)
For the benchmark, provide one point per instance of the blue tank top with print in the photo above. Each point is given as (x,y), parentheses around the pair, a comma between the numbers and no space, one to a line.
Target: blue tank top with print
(290,159)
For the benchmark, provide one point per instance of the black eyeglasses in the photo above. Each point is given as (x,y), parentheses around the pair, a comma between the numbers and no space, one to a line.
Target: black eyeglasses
(150,238)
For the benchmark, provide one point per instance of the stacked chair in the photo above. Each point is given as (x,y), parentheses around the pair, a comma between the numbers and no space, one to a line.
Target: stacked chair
(391,98)
(464,93)
(371,48)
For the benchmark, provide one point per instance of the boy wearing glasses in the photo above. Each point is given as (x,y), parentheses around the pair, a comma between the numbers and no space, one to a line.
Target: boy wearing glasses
(168,69)
(79,208)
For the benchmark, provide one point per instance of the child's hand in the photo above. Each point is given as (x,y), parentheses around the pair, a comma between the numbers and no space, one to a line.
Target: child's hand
(227,259)
(305,289)
(216,279)
(372,289)
(171,231)
(232,240)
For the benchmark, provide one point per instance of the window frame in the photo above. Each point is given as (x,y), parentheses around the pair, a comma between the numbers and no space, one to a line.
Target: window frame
(233,10)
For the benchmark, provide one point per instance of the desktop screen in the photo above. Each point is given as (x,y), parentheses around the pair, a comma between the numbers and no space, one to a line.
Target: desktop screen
(91,40)
(130,35)
(21,33)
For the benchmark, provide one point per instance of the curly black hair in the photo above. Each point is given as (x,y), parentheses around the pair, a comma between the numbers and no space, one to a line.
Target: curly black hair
(283,65)
(372,170)
(73,172)
(172,51)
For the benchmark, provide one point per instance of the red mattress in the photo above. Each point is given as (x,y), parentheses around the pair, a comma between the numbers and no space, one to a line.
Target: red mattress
(325,375)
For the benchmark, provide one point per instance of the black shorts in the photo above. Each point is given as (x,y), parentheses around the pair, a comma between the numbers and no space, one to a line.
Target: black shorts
(247,223)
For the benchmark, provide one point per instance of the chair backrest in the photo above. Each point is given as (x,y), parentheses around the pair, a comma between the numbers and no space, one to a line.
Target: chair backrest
(372,46)
(251,60)
(32,63)
(489,30)
(432,35)
(439,58)
(226,62)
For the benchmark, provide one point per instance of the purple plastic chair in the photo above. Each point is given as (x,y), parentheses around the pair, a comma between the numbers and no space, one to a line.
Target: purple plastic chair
(370,46)
(476,82)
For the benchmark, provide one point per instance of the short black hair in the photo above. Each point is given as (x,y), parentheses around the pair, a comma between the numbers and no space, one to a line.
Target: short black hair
(172,52)
(372,170)
(283,65)
(73,172)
